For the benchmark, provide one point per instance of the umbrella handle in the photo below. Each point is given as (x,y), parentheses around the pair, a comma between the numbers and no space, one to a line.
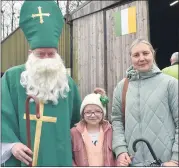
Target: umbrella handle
(28,119)
(148,145)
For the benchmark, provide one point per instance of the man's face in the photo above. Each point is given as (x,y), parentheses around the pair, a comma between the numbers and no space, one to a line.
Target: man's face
(45,75)
(43,60)
(45,52)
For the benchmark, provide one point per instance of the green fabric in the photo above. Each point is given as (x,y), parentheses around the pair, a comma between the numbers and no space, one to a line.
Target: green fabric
(55,144)
(171,70)
(41,35)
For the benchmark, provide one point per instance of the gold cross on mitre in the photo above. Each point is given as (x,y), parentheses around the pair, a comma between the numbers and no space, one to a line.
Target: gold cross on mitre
(38,131)
(40,14)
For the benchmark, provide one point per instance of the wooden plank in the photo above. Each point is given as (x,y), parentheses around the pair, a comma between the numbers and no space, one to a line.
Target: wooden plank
(145,12)
(109,56)
(18,40)
(26,48)
(22,47)
(11,52)
(93,51)
(75,53)
(91,7)
(100,51)
(67,46)
(80,42)
(4,59)
(89,52)
(78,53)
(83,53)
(63,47)
(97,51)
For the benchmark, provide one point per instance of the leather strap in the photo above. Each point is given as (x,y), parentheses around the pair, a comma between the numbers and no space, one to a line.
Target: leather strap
(124,91)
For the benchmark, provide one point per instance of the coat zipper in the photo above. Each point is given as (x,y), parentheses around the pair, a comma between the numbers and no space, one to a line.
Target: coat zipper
(140,120)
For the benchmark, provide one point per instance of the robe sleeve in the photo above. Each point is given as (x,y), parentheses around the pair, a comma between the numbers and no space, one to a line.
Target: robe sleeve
(76,106)
(10,126)
(6,151)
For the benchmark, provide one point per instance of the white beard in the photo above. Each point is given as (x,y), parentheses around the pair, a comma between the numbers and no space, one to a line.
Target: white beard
(45,78)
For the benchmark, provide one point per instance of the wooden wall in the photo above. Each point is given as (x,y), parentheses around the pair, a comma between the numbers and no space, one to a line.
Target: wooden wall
(118,46)
(14,49)
(91,6)
(89,53)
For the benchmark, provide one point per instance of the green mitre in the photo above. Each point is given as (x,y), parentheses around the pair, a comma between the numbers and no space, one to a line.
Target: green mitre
(42,23)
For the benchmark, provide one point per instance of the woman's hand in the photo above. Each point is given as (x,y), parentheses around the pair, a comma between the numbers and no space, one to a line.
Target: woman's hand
(123,159)
(170,164)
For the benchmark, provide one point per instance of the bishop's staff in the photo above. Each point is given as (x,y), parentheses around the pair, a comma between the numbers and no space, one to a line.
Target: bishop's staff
(28,118)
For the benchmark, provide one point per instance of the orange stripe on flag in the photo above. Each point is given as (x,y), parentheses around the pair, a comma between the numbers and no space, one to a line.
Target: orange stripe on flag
(132,19)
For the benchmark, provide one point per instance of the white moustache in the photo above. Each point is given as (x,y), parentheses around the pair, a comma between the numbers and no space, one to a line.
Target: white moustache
(45,78)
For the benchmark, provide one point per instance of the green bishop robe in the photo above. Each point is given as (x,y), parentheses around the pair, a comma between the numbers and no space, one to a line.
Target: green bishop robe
(55,141)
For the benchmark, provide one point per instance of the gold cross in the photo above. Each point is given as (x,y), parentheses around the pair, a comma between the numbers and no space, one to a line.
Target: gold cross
(38,131)
(40,14)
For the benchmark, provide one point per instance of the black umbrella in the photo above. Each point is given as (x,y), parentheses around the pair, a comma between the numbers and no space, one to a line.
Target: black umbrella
(156,162)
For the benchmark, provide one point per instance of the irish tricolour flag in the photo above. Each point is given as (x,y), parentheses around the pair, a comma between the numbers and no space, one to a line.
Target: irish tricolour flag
(125,21)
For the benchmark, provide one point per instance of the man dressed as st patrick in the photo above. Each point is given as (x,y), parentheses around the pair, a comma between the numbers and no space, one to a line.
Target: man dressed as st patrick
(45,77)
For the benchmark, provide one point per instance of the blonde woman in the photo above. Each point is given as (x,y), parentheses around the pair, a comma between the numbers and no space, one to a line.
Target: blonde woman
(151,111)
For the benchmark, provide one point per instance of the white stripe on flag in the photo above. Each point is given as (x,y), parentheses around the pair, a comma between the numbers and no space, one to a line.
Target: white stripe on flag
(124,21)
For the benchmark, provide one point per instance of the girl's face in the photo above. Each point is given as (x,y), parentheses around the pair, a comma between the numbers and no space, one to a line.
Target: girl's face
(142,57)
(93,114)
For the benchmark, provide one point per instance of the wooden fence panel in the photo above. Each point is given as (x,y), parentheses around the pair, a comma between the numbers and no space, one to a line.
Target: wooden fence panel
(118,57)
(88,52)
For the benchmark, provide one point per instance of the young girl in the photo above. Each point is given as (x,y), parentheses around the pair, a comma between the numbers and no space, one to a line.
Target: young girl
(92,136)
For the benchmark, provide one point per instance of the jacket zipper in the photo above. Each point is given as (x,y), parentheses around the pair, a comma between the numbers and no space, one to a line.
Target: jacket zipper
(140,120)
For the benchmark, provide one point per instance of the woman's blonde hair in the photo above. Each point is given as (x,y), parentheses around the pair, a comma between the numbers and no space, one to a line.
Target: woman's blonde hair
(141,40)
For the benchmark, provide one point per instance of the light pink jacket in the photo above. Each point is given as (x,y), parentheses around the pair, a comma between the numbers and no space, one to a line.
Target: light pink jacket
(78,146)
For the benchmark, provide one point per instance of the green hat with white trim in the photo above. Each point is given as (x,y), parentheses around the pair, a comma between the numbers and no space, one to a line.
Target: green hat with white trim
(42,23)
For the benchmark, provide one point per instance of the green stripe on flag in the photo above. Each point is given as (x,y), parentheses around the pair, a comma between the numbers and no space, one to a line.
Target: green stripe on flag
(117,23)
